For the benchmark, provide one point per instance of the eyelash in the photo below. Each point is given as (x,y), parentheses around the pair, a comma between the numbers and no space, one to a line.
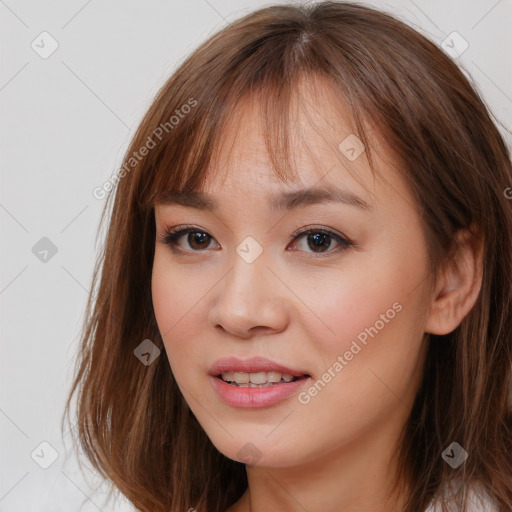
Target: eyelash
(172,235)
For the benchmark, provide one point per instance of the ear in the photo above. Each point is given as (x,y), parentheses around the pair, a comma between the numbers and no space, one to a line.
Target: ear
(457,286)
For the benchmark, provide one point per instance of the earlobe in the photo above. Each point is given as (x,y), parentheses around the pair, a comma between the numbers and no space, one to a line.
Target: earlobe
(458,285)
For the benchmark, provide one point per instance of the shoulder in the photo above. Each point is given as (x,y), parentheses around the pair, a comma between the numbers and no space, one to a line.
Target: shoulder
(478,501)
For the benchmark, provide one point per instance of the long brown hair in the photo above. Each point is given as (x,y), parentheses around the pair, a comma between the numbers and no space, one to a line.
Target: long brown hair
(133,423)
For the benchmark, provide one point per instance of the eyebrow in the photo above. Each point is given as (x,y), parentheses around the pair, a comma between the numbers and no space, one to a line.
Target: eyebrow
(283,201)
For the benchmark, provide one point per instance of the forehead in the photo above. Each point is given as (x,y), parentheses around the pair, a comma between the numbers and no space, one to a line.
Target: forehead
(320,130)
(318,122)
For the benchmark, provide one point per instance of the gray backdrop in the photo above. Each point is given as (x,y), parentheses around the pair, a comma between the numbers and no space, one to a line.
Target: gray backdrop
(76,79)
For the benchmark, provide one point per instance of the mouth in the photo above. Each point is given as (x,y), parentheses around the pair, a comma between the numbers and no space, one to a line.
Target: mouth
(254,372)
(255,382)
(259,379)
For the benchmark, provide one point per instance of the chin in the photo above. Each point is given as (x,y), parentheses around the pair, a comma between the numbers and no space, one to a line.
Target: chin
(259,451)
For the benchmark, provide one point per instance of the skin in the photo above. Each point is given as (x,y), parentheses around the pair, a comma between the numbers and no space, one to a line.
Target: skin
(304,308)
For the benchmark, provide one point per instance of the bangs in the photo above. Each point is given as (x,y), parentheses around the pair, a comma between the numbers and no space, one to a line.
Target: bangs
(188,157)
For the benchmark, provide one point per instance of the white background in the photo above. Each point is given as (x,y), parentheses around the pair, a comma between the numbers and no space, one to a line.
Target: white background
(65,124)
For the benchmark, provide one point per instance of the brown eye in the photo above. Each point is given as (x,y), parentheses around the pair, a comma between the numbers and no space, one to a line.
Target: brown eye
(319,240)
(196,240)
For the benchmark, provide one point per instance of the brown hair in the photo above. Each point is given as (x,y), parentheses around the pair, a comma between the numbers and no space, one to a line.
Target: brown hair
(133,423)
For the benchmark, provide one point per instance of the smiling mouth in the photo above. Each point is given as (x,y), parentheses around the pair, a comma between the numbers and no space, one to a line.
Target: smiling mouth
(259,379)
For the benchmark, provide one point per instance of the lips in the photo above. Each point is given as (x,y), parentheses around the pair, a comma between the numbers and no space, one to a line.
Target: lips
(252,395)
(252,365)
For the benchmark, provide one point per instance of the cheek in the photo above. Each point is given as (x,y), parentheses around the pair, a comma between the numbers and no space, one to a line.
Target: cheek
(166,305)
(377,322)
(170,305)
(380,294)
(179,301)
(367,363)
(344,306)
(371,316)
(176,294)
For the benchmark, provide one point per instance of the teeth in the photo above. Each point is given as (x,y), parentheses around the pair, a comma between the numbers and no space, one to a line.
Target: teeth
(274,376)
(241,378)
(257,379)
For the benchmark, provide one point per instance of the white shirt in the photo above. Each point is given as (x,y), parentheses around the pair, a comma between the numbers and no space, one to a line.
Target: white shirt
(478,501)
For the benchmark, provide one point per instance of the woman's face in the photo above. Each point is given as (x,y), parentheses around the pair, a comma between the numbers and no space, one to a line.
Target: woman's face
(349,316)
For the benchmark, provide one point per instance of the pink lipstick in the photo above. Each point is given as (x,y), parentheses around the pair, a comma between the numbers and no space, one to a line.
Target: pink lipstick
(255,382)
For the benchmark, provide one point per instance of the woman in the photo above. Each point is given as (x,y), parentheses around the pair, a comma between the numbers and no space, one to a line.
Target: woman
(304,298)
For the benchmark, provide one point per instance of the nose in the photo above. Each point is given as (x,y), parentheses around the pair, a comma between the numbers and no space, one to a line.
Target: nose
(250,300)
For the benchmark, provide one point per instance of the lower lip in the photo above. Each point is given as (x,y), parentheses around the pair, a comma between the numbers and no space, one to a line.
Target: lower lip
(256,397)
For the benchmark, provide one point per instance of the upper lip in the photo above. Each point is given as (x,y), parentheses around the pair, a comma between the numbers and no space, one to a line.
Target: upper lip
(251,365)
